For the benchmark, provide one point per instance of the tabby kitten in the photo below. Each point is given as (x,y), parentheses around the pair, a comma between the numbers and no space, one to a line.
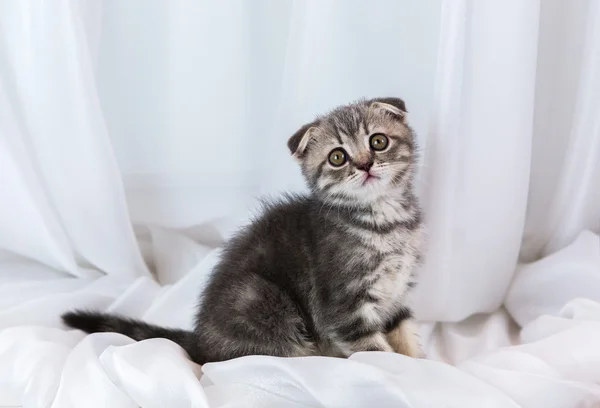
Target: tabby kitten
(320,274)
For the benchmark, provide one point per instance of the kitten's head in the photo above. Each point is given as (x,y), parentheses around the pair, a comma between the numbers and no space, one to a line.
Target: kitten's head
(358,152)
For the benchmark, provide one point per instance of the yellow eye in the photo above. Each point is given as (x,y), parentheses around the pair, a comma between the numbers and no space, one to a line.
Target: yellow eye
(337,157)
(378,141)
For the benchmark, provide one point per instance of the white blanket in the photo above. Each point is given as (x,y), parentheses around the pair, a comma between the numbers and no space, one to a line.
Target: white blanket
(553,362)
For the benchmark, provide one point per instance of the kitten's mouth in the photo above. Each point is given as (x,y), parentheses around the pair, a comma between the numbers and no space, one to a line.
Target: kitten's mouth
(370,179)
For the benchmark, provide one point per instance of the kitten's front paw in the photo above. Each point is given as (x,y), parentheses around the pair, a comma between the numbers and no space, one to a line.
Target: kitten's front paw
(404,339)
(373,342)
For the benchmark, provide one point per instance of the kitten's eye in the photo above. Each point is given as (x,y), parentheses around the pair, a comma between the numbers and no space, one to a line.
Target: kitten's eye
(378,141)
(337,157)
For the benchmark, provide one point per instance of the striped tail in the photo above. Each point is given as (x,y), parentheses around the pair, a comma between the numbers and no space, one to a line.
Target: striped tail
(93,322)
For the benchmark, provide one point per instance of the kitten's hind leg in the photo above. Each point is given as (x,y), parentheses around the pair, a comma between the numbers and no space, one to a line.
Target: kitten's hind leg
(404,339)
(253,316)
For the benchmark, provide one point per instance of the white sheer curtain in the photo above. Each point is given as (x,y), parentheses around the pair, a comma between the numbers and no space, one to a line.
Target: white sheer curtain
(173,116)
(479,155)
(201,95)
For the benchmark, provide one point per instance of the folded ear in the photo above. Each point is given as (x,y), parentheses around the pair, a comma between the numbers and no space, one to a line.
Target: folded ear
(299,140)
(395,106)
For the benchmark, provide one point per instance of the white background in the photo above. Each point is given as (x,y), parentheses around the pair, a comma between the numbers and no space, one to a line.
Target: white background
(199,100)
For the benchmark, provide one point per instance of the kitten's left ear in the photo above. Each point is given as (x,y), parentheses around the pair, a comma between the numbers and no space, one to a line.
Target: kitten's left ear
(299,140)
(395,106)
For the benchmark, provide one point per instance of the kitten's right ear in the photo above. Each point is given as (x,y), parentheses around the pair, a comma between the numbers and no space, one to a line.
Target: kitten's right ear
(298,142)
(395,106)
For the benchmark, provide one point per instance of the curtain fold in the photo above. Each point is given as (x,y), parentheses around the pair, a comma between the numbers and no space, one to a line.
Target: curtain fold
(577,197)
(564,193)
(478,156)
(64,171)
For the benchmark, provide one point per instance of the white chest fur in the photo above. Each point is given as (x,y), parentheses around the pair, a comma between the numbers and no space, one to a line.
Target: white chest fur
(389,282)
(400,249)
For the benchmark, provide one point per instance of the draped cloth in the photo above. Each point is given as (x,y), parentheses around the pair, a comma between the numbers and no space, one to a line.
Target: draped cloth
(509,296)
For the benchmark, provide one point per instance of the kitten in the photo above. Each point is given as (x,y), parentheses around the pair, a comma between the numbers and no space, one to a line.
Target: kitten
(320,274)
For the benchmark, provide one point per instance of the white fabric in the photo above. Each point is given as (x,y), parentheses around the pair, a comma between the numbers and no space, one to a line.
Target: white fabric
(557,363)
(91,93)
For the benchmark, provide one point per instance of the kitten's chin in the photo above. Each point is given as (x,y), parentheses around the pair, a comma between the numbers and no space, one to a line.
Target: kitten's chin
(376,187)
(370,190)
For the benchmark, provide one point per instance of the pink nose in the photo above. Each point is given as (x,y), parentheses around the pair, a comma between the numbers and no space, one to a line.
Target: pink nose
(365,166)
